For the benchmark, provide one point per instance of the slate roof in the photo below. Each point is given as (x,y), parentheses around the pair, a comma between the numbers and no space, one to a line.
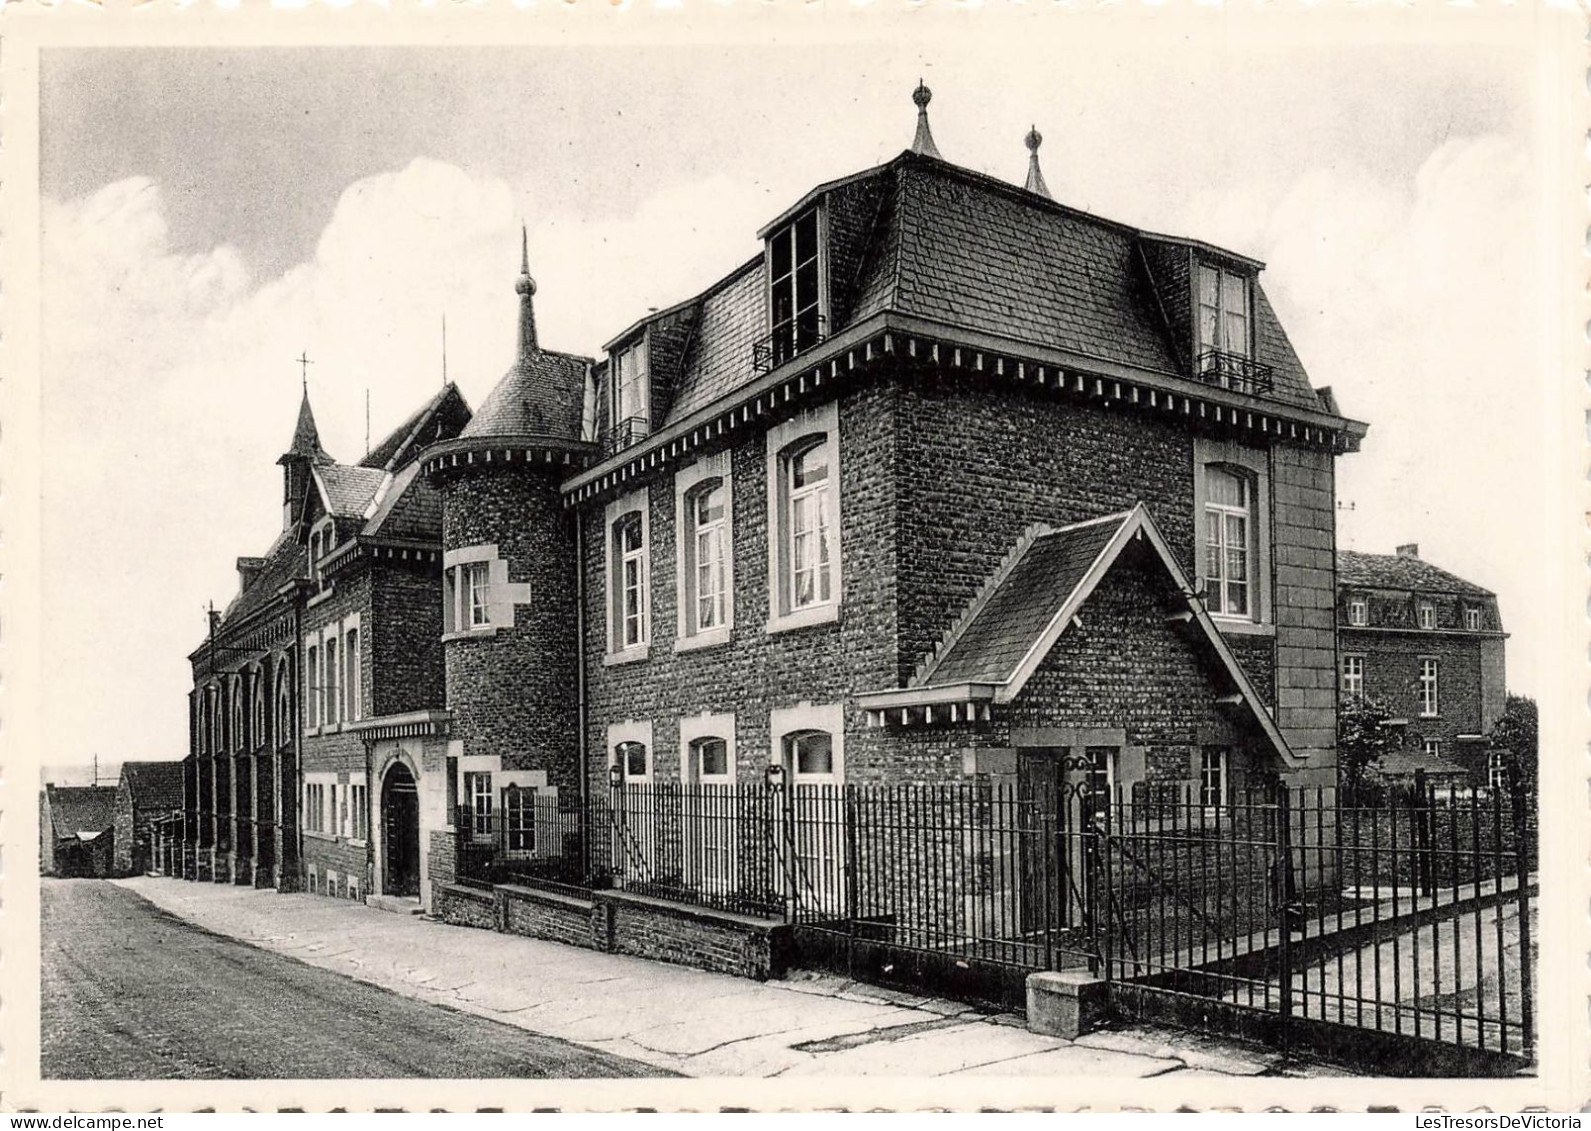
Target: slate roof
(989,648)
(411,508)
(1388,571)
(155,786)
(349,490)
(285,560)
(405,441)
(964,249)
(542,394)
(81,808)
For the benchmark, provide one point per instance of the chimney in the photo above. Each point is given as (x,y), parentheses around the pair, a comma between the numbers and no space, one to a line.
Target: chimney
(1409,550)
(248,570)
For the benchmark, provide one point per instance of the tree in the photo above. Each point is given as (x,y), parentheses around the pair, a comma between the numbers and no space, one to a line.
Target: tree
(1514,736)
(1362,738)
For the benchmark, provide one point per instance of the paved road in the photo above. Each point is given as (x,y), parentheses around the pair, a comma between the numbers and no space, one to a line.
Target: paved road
(130,992)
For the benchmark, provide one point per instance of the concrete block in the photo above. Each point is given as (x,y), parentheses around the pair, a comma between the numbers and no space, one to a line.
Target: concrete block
(1065,1003)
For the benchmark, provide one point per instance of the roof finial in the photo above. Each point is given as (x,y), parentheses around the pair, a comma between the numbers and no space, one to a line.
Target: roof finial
(526,286)
(1035,182)
(924,141)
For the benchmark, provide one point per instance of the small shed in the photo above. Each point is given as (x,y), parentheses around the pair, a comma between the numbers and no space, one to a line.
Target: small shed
(146,792)
(76,830)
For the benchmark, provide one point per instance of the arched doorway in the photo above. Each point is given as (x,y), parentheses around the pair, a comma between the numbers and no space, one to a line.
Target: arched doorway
(400,832)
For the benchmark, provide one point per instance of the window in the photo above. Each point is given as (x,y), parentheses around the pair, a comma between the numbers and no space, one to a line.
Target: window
(804,573)
(1100,777)
(236,720)
(1353,676)
(810,753)
(631,614)
(519,818)
(1428,699)
(312,685)
(1472,620)
(257,714)
(314,807)
(339,810)
(333,705)
(1427,615)
(794,288)
(819,865)
(713,806)
(284,705)
(710,759)
(359,811)
(478,788)
(477,593)
(1223,311)
(353,687)
(631,412)
(631,758)
(1497,769)
(1212,776)
(1358,611)
(706,509)
(809,527)
(1227,509)
(1432,747)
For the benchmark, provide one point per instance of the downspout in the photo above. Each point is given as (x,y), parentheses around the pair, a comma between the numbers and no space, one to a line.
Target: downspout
(580,657)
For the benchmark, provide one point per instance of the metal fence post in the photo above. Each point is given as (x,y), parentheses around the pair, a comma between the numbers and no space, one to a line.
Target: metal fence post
(1284,907)
(1522,861)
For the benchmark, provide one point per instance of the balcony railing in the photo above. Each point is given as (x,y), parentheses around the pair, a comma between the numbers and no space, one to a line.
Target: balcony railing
(1236,372)
(631,430)
(788,341)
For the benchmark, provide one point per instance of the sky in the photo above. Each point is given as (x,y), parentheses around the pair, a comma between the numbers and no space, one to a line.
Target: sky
(209,214)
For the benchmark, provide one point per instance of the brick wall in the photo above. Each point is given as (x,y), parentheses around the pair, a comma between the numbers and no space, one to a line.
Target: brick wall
(512,692)
(1392,677)
(401,640)
(125,830)
(756,671)
(341,752)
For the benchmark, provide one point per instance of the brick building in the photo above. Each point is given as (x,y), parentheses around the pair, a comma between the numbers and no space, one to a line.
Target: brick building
(950,480)
(146,792)
(1429,647)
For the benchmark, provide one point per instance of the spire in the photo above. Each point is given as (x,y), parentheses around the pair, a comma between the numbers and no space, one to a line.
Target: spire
(1035,181)
(306,437)
(526,286)
(924,141)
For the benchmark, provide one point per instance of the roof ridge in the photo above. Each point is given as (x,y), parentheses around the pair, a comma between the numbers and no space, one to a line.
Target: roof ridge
(991,585)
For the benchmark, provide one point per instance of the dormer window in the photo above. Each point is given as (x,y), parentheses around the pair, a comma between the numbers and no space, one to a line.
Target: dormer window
(1225,353)
(796,300)
(631,381)
(1358,612)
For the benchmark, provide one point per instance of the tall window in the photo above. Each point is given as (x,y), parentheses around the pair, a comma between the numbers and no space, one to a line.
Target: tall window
(1358,612)
(284,705)
(629,544)
(353,684)
(257,713)
(477,593)
(312,684)
(1353,676)
(819,839)
(314,807)
(1223,310)
(1212,776)
(1472,619)
(519,819)
(478,788)
(1428,699)
(709,553)
(1497,769)
(1427,614)
(631,413)
(1432,747)
(794,288)
(810,488)
(1228,513)
(237,713)
(1100,775)
(359,811)
(712,822)
(333,705)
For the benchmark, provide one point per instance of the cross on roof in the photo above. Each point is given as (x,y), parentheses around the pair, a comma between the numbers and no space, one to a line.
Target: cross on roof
(304,363)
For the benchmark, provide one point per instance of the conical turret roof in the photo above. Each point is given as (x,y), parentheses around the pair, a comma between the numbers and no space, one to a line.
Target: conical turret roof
(306,437)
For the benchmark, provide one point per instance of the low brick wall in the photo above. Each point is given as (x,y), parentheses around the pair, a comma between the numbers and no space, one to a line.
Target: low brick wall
(623,923)
(465,907)
(551,915)
(694,936)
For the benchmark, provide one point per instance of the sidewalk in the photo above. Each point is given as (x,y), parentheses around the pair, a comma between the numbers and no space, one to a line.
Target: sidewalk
(673,1017)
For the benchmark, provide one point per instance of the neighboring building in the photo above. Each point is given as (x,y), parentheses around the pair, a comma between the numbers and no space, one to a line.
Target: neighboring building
(76,830)
(145,792)
(1429,647)
(950,479)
